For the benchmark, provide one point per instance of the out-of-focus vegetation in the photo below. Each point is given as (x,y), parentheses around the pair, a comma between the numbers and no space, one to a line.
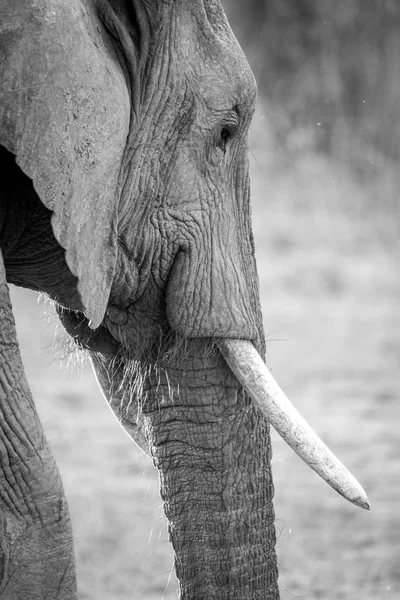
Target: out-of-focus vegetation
(330,73)
(326,224)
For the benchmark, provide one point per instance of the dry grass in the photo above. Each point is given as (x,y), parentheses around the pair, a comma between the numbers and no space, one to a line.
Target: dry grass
(328,263)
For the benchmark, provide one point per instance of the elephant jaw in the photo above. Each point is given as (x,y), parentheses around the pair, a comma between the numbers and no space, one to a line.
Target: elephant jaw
(251,372)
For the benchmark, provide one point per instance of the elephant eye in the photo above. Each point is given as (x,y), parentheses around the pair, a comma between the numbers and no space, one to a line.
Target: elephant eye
(224,137)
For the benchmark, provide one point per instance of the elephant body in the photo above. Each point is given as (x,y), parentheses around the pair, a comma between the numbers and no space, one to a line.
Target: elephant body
(123,131)
(125,198)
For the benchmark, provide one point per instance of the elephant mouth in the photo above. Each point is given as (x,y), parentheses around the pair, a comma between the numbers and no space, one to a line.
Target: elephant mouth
(251,373)
(97,340)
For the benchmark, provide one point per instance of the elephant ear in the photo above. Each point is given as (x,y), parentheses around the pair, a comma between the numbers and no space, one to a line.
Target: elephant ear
(64,113)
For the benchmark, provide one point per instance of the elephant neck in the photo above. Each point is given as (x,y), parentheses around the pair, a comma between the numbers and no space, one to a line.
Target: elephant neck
(213,452)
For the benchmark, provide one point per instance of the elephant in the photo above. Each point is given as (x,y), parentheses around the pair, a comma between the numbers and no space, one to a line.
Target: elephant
(126,199)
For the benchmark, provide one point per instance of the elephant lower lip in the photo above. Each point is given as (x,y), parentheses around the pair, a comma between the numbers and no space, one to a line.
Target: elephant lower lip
(95,340)
(251,372)
(117,315)
(159,346)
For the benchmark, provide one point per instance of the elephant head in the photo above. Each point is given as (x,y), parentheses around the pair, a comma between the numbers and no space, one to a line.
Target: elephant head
(129,206)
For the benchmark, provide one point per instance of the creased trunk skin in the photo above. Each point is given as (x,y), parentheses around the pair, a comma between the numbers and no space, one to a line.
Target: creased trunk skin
(213,455)
(36,549)
(213,452)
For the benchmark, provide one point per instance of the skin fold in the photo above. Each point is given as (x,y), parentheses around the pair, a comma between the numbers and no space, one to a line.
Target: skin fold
(126,200)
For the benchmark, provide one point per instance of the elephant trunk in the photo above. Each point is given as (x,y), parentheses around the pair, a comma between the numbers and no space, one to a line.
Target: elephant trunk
(210,441)
(212,450)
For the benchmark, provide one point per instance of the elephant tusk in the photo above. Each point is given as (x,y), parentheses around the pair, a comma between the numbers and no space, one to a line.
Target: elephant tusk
(252,373)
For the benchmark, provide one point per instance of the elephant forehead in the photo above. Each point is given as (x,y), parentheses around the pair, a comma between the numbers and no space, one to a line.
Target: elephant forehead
(211,57)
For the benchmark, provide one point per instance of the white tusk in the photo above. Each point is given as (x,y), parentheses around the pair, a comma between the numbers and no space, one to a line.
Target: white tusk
(252,373)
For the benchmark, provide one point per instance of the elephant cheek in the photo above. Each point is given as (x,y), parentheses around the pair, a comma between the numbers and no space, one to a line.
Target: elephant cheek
(209,297)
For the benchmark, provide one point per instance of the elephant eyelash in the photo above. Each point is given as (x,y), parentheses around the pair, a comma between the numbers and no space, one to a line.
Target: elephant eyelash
(228,129)
(224,137)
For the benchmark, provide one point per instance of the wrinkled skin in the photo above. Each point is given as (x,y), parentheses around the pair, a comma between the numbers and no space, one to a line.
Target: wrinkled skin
(128,204)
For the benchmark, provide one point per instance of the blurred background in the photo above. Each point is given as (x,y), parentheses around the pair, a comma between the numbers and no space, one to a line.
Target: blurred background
(326,209)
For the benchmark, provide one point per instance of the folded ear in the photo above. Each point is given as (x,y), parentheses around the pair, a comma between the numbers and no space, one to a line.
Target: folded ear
(64,113)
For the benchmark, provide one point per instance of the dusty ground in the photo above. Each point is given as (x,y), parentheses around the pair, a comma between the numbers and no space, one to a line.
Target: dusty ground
(328,258)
